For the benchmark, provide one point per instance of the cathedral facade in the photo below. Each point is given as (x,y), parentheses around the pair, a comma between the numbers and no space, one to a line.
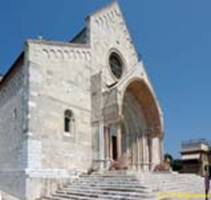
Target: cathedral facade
(68,106)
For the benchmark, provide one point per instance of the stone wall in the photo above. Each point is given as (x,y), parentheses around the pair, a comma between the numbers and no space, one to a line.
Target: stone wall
(59,75)
(59,79)
(13,127)
(12,109)
(108,32)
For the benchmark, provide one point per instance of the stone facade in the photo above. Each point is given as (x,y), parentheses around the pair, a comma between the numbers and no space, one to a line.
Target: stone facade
(111,116)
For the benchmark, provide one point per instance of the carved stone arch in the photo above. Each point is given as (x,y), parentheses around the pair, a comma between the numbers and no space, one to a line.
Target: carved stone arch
(84,55)
(97,21)
(60,54)
(105,19)
(72,54)
(113,13)
(101,21)
(53,54)
(144,94)
(46,53)
(78,55)
(139,127)
(117,13)
(88,55)
(66,54)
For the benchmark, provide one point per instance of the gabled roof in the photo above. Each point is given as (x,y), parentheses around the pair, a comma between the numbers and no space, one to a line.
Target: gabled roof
(81,37)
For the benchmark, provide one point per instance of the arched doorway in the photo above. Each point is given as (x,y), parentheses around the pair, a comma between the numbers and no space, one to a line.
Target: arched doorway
(137,135)
(141,126)
(136,132)
(133,125)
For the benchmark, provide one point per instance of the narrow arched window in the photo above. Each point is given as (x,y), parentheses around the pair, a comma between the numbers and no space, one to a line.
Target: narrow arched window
(68,121)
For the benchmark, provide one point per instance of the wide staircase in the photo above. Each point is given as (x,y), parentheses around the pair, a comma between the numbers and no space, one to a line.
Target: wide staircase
(174,182)
(111,185)
(130,186)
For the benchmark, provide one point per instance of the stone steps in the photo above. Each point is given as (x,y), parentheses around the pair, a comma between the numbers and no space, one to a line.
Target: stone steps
(107,186)
(130,190)
(123,186)
(102,195)
(104,191)
(180,183)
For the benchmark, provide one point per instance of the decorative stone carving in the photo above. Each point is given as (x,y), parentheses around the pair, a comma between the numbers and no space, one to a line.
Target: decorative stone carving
(65,54)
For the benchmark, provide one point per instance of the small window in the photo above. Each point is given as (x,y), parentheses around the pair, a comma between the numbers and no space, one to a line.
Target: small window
(68,121)
(67,124)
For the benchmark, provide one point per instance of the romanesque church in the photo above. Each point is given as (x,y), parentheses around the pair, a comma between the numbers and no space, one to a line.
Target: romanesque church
(69,106)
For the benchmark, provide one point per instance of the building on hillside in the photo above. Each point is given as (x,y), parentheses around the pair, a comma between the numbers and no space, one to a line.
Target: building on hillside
(195,155)
(66,106)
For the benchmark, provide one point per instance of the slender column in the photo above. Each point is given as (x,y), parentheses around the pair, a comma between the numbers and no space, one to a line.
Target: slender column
(142,152)
(156,153)
(161,150)
(134,150)
(138,152)
(119,141)
(150,150)
(110,147)
(128,146)
(107,149)
(145,153)
(101,145)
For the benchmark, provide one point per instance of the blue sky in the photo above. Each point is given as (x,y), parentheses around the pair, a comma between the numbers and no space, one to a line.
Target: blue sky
(174,37)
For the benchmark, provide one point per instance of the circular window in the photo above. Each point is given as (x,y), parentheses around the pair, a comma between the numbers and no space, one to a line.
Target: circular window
(116,65)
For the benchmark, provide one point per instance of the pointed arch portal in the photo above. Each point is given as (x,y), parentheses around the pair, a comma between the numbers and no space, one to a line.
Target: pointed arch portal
(138,133)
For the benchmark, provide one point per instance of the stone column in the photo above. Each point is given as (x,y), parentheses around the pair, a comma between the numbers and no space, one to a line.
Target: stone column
(133,151)
(161,149)
(101,145)
(119,141)
(150,150)
(107,145)
(155,151)
(128,146)
(145,153)
(141,151)
(138,152)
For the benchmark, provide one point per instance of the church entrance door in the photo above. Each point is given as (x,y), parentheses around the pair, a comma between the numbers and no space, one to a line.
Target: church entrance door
(114,147)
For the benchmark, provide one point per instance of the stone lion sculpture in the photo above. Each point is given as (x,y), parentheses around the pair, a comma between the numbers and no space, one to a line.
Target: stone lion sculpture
(164,166)
(120,164)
